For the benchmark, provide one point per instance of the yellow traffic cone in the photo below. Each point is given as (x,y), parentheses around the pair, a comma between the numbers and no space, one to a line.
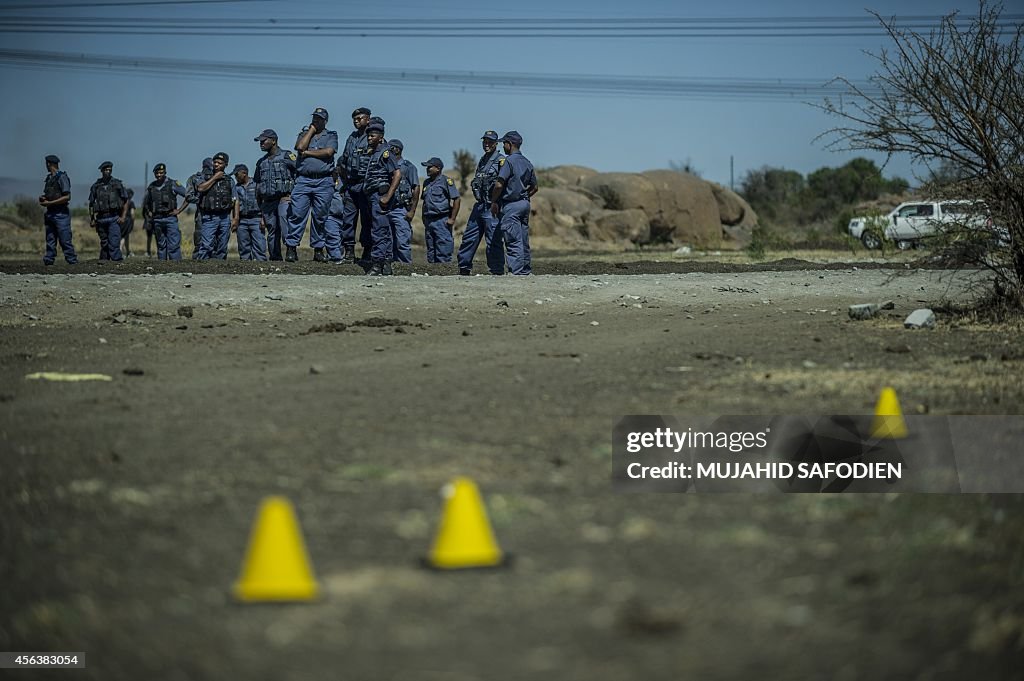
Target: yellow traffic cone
(888,423)
(276,566)
(465,538)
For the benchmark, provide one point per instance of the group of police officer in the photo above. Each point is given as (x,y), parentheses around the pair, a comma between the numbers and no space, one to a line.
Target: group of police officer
(370,185)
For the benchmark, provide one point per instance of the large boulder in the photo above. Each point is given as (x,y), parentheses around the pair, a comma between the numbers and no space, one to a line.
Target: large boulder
(679,206)
(737,217)
(630,225)
(566,176)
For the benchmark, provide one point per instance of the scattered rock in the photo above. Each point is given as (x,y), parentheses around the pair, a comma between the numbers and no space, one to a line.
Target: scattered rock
(502,303)
(595,323)
(920,319)
(316,369)
(683,250)
(898,349)
(134,371)
(185,311)
(273,296)
(864,311)
(181,328)
(888,305)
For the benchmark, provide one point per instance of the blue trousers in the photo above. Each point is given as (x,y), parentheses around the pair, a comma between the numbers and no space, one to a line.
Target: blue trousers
(440,243)
(58,230)
(357,205)
(168,238)
(309,195)
(482,224)
(401,233)
(251,244)
(333,236)
(275,217)
(214,230)
(515,230)
(109,230)
(383,245)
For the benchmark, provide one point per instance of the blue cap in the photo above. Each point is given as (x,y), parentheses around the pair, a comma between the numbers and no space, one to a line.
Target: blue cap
(267,134)
(360,110)
(240,166)
(512,137)
(490,135)
(106,164)
(379,127)
(52,159)
(433,161)
(321,112)
(396,143)
(208,163)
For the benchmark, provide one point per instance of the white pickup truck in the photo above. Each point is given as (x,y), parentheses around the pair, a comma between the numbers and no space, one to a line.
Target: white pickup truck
(909,223)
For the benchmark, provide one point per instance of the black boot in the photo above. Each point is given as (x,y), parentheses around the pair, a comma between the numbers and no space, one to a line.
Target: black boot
(349,257)
(290,254)
(386,269)
(376,269)
(319,255)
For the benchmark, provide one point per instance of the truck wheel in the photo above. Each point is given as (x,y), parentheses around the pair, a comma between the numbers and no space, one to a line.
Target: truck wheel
(871,240)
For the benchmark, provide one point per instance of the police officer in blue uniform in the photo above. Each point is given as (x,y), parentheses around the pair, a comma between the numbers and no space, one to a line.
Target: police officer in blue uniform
(108,204)
(315,149)
(275,177)
(160,209)
(510,199)
(441,203)
(55,199)
(380,185)
(216,198)
(192,196)
(246,220)
(353,166)
(403,208)
(482,224)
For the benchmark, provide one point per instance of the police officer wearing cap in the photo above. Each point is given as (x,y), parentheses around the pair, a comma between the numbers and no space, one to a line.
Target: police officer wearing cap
(192,196)
(55,199)
(160,209)
(353,170)
(403,208)
(510,199)
(108,205)
(441,203)
(274,177)
(380,185)
(314,185)
(245,219)
(216,199)
(482,224)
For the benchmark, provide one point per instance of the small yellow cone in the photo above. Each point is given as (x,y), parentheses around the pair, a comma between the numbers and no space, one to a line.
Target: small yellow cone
(465,538)
(276,565)
(888,423)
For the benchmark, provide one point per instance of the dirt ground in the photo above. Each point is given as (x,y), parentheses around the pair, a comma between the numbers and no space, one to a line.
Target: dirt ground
(125,506)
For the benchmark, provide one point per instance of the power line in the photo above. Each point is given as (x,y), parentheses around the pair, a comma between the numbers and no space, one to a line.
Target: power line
(791,89)
(133,3)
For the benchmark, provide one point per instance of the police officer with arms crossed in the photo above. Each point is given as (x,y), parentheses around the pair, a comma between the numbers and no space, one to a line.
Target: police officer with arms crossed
(403,208)
(216,197)
(441,203)
(482,224)
(275,177)
(160,209)
(353,164)
(380,185)
(108,207)
(245,219)
(510,198)
(55,199)
(315,149)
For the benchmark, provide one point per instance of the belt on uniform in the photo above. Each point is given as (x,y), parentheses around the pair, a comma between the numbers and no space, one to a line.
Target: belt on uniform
(436,216)
(317,176)
(108,214)
(161,216)
(248,216)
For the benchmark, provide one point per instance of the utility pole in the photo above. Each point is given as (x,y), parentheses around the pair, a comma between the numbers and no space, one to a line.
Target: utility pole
(732,184)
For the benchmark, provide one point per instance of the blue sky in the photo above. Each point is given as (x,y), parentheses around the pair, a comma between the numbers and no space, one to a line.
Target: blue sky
(88,117)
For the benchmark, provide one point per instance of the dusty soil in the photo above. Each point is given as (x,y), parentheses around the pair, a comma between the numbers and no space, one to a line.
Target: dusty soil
(125,506)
